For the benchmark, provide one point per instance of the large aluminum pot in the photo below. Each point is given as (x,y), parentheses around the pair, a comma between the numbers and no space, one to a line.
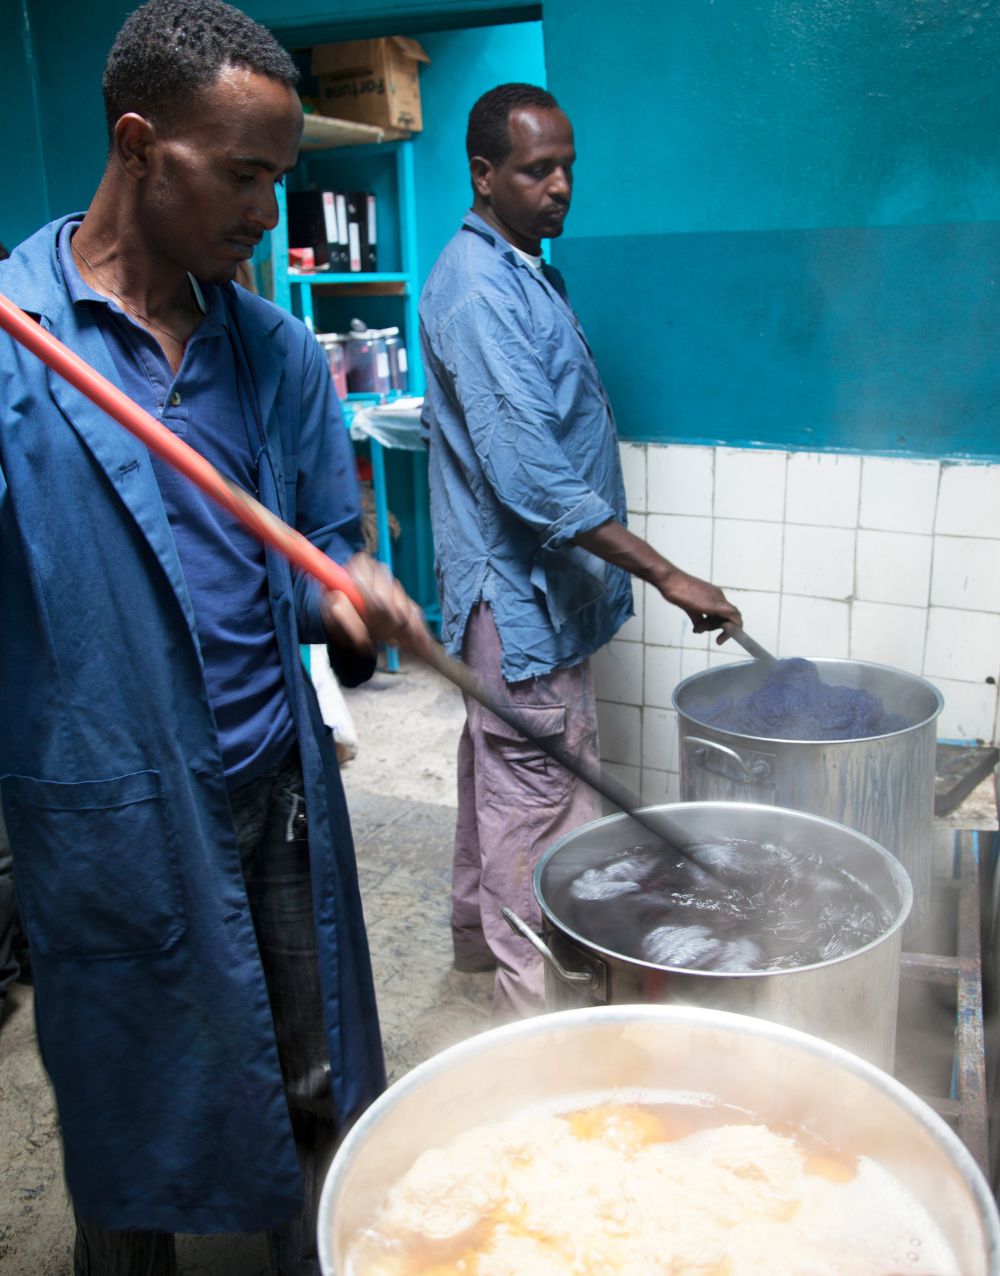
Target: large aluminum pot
(882,786)
(775,1072)
(851,1000)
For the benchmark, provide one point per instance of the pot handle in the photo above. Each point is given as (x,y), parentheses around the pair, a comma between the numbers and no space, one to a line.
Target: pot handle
(756,773)
(519,927)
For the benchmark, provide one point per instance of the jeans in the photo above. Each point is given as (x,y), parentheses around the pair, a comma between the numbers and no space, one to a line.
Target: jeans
(8,919)
(270,820)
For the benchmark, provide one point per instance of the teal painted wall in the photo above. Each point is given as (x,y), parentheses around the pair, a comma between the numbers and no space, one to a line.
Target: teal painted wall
(313,21)
(71,53)
(464,64)
(23,196)
(728,150)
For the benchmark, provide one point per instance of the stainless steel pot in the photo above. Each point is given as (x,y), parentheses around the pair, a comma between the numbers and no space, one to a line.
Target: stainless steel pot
(882,786)
(780,1074)
(851,1000)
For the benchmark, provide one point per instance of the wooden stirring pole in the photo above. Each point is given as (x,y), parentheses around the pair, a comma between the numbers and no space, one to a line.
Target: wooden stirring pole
(300,552)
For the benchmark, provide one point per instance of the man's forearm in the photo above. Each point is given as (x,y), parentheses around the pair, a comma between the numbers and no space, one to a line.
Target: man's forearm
(706,604)
(620,547)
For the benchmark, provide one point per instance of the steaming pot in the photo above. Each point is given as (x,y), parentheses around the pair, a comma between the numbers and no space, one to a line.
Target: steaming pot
(780,1074)
(882,786)
(850,1000)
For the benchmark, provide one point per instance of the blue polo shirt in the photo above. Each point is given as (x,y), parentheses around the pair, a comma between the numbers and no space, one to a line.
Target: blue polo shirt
(209,404)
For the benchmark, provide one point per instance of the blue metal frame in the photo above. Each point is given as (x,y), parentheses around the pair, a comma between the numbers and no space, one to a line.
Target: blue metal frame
(295,293)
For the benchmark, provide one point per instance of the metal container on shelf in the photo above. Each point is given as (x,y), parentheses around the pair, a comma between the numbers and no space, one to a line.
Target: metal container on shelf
(367,362)
(399,378)
(333,347)
(850,1000)
(786,1078)
(883,786)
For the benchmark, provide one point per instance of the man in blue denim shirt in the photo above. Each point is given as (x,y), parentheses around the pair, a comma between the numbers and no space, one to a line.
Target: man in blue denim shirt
(528,507)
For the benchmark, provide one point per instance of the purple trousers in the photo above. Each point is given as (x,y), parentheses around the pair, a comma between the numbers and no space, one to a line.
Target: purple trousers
(513,803)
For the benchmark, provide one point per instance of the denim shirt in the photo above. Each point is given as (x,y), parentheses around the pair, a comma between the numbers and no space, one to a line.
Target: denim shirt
(523,457)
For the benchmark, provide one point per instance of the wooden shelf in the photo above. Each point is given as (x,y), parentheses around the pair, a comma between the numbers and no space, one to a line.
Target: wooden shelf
(321,132)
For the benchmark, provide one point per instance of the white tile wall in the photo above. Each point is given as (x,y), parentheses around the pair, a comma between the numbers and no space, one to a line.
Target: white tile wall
(969,710)
(684,540)
(634,473)
(969,501)
(617,670)
(666,667)
(893,567)
(760,613)
(659,787)
(818,562)
(667,624)
(898,495)
(630,776)
(813,627)
(619,728)
(747,554)
(631,631)
(750,484)
(659,739)
(891,560)
(889,635)
(966,573)
(680,480)
(962,644)
(823,489)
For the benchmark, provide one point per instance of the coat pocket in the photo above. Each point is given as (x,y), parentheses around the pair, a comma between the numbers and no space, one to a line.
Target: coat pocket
(95,865)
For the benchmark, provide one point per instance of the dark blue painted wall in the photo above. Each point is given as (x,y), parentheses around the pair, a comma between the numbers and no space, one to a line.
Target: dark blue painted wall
(785,222)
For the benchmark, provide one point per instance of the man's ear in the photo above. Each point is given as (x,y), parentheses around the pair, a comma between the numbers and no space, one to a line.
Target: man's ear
(134,136)
(481,172)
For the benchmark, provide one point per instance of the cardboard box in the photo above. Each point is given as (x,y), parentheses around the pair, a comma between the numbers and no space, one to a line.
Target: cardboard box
(371,81)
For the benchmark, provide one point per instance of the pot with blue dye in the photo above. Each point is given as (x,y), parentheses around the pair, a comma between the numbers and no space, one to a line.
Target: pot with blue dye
(880,784)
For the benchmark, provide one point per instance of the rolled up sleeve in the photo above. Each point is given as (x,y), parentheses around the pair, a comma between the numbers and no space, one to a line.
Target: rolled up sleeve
(510,413)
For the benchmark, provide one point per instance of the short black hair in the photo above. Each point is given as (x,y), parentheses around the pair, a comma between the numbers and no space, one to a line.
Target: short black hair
(488,133)
(169,49)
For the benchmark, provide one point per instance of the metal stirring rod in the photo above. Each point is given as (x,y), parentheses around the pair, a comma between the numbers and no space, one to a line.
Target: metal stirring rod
(300,552)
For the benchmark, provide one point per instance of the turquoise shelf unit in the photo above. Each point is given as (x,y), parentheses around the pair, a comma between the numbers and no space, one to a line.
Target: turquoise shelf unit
(303,294)
(296,292)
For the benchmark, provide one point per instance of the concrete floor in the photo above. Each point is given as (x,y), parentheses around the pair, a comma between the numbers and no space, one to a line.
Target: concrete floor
(401,792)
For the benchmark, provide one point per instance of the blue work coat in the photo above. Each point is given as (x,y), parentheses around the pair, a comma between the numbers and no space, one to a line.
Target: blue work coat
(152,1011)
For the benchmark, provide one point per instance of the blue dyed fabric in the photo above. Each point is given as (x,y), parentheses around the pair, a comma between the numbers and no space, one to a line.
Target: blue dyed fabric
(793,703)
(523,457)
